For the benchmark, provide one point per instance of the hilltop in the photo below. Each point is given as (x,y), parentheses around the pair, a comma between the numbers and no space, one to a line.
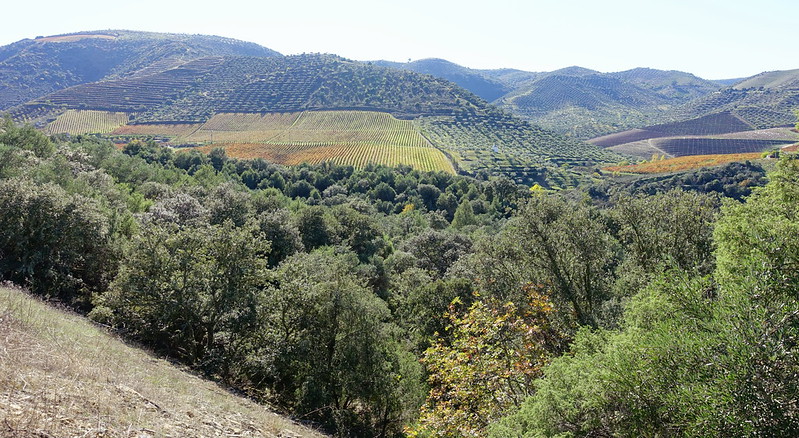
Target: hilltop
(475,81)
(63,376)
(31,68)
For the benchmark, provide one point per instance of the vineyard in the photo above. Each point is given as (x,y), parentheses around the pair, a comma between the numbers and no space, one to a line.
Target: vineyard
(356,154)
(712,124)
(683,163)
(735,143)
(344,137)
(308,107)
(174,131)
(86,122)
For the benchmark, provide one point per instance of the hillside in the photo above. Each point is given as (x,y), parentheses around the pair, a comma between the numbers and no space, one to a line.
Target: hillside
(31,68)
(474,135)
(756,108)
(63,376)
(584,104)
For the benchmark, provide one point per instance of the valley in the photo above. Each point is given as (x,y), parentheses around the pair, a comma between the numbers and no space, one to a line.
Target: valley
(299,245)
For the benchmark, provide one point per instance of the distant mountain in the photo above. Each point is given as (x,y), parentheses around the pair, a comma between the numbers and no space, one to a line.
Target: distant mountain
(772,80)
(473,80)
(31,68)
(584,103)
(675,85)
(576,101)
(512,78)
(726,82)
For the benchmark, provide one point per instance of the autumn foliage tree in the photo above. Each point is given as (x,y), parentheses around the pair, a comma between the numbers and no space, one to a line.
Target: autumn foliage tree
(487,364)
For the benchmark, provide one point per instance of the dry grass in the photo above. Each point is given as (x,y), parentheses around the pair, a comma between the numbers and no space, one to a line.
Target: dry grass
(687,162)
(60,376)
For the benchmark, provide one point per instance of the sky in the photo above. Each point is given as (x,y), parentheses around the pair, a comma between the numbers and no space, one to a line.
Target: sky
(712,39)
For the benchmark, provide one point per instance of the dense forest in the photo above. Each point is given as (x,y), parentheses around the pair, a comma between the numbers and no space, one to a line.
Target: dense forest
(392,302)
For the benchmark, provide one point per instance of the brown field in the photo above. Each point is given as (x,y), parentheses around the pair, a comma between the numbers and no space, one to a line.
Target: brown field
(683,163)
(61,376)
(71,38)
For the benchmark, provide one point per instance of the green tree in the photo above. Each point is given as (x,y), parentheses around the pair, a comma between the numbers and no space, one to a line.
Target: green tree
(60,244)
(568,249)
(464,215)
(25,137)
(282,233)
(674,228)
(694,356)
(328,350)
(190,292)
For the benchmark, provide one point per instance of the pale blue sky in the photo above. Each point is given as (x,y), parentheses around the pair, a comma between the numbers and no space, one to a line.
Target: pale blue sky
(713,39)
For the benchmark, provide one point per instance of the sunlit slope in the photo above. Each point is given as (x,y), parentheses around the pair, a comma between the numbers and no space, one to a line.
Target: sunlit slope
(62,376)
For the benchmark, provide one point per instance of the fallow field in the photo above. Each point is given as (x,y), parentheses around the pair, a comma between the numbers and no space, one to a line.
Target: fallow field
(683,163)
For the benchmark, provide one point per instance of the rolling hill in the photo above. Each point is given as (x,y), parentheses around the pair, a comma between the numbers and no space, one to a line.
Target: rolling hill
(584,104)
(31,68)
(576,101)
(745,117)
(188,93)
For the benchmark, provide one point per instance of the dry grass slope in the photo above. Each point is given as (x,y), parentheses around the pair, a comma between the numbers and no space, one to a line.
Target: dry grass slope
(60,376)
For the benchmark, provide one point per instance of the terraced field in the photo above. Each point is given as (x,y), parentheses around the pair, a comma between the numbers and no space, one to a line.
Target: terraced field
(87,122)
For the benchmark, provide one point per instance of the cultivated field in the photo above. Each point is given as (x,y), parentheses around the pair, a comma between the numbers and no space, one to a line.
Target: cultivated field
(683,163)
(176,131)
(356,154)
(87,122)
(72,38)
(727,143)
(343,137)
